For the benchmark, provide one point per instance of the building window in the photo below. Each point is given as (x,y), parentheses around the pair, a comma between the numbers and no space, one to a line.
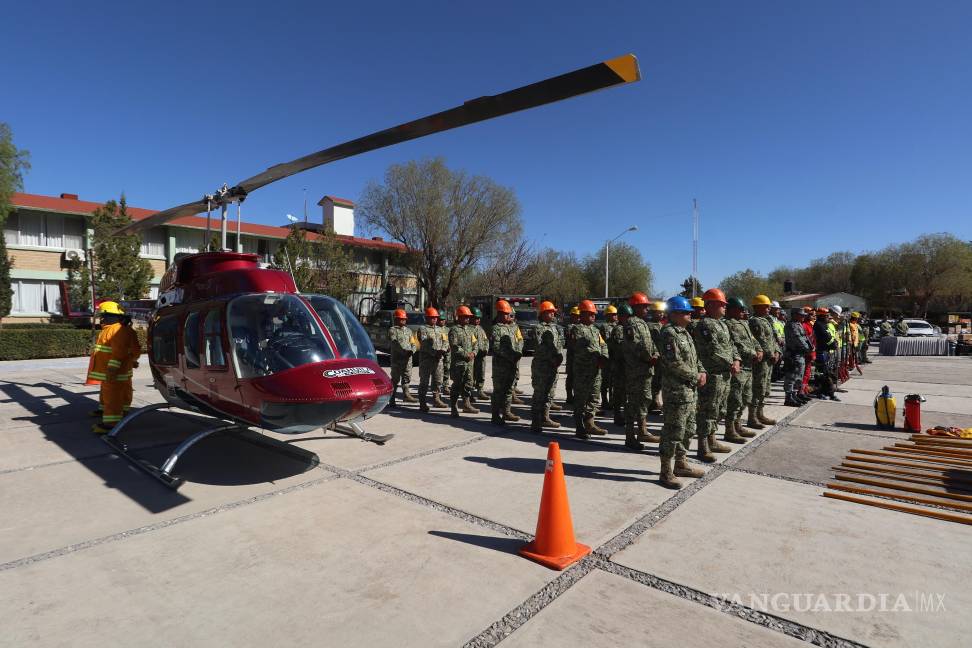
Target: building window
(33,229)
(189,241)
(31,297)
(153,243)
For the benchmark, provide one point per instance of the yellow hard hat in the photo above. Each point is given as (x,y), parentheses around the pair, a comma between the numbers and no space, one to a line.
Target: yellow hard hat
(610,310)
(659,306)
(761,300)
(110,308)
(697,302)
(575,311)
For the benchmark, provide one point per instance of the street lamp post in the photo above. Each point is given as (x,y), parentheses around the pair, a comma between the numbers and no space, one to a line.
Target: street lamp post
(607,255)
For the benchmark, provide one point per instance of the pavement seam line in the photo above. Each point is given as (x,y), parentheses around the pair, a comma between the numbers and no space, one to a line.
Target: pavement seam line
(87,544)
(796,480)
(889,439)
(743,612)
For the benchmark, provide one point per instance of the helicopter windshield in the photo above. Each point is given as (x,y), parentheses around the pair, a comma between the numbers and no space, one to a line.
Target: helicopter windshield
(272,333)
(350,337)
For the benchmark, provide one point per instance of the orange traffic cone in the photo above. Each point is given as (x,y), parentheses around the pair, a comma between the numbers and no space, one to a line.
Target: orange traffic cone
(554,544)
(88,379)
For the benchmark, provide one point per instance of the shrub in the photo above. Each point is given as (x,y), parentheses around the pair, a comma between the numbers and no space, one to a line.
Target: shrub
(35,325)
(43,341)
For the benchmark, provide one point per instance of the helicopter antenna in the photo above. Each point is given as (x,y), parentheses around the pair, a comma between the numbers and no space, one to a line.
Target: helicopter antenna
(291,266)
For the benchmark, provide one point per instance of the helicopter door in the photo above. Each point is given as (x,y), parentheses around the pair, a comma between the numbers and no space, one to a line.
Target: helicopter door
(220,382)
(193,381)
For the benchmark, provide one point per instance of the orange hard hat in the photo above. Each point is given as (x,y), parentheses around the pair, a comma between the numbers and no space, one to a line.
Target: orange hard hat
(400,314)
(638,298)
(808,309)
(547,306)
(431,312)
(822,311)
(463,310)
(714,294)
(503,306)
(587,306)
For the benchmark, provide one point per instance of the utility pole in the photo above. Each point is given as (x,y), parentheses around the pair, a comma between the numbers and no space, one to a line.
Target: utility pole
(695,244)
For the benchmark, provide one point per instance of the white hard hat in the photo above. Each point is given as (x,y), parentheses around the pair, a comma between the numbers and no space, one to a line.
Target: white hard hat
(837,309)
(776,304)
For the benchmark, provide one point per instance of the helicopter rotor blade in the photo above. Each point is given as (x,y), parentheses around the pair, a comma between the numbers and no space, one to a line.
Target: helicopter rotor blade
(617,71)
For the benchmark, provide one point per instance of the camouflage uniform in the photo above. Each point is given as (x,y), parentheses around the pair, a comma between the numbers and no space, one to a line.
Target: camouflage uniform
(549,355)
(461,346)
(741,385)
(619,399)
(762,329)
(640,354)
(479,364)
(507,345)
(717,353)
(433,345)
(569,346)
(681,369)
(590,350)
(447,358)
(656,378)
(607,388)
(403,345)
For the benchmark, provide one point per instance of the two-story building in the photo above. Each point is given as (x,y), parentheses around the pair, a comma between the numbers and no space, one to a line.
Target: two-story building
(43,232)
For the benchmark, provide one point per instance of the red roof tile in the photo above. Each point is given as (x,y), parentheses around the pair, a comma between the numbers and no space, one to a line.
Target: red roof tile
(335,199)
(84,207)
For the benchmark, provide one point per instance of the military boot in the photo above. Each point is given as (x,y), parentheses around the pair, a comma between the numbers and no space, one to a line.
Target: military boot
(762,418)
(702,453)
(683,469)
(741,431)
(455,410)
(591,428)
(554,407)
(423,401)
(631,438)
(667,478)
(751,421)
(508,415)
(619,417)
(407,395)
(579,429)
(549,422)
(437,401)
(496,418)
(467,406)
(535,424)
(656,403)
(481,395)
(644,434)
(731,435)
(515,400)
(391,402)
(715,446)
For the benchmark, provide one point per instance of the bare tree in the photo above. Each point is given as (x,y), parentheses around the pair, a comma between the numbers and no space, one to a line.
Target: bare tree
(451,221)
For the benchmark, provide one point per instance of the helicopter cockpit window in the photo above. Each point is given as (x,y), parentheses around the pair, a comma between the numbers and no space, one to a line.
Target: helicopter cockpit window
(350,337)
(274,332)
(190,338)
(214,340)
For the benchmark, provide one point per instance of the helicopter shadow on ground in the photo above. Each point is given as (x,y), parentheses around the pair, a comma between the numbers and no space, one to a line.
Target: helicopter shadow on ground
(536,466)
(216,460)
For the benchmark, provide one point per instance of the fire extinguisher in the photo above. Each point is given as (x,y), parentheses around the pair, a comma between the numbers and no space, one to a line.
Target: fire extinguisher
(912,417)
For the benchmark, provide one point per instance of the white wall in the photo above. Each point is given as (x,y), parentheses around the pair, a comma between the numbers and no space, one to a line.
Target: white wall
(339,218)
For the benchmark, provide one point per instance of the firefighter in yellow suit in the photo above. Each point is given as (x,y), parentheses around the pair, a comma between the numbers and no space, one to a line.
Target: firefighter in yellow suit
(114,356)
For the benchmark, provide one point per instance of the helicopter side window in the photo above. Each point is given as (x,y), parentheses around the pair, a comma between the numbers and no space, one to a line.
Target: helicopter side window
(350,337)
(165,336)
(274,332)
(191,340)
(214,340)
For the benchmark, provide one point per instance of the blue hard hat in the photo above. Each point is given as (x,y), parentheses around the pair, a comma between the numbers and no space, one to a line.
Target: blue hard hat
(679,304)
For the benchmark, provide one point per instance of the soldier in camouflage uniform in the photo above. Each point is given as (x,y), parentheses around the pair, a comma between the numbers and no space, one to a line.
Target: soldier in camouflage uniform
(656,319)
(403,345)
(717,353)
(741,385)
(590,356)
(447,358)
(569,344)
(698,313)
(640,356)
(462,347)
(432,346)
(765,336)
(683,375)
(547,358)
(479,365)
(507,344)
(609,324)
(619,399)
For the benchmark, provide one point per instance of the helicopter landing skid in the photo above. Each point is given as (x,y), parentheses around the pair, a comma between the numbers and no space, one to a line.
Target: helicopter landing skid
(354,430)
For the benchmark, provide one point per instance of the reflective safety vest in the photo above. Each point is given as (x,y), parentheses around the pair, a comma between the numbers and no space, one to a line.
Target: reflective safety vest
(833,333)
(116,349)
(779,328)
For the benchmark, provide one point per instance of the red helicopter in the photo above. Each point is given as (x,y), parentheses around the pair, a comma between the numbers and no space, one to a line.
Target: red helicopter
(236,340)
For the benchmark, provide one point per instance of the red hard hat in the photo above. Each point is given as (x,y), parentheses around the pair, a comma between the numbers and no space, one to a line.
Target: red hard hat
(637,299)
(463,310)
(503,306)
(714,294)
(587,306)
(431,312)
(400,314)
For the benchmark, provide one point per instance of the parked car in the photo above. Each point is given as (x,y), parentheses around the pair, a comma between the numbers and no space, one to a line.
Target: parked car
(920,328)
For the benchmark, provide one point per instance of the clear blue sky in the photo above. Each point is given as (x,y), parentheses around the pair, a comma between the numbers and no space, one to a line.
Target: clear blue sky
(802,128)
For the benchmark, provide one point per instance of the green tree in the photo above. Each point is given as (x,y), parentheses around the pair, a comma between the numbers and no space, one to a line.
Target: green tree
(691,287)
(746,284)
(14,163)
(119,271)
(319,265)
(628,271)
(79,286)
(454,223)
